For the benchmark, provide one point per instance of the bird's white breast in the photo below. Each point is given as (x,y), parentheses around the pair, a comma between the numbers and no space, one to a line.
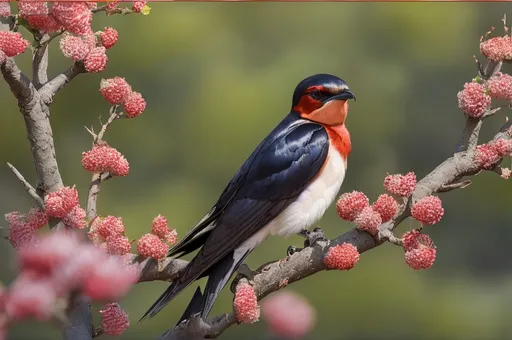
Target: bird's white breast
(311,204)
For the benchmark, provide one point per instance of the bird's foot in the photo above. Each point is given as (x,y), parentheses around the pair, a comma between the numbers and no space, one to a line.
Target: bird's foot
(245,271)
(312,237)
(292,250)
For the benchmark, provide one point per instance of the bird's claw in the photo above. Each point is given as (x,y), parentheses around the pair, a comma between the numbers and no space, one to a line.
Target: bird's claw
(312,237)
(292,250)
(245,271)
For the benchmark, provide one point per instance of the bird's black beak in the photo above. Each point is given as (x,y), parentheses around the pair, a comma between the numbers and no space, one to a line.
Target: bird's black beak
(347,94)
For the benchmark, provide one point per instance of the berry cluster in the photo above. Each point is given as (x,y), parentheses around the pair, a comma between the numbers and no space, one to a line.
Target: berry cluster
(245,304)
(156,244)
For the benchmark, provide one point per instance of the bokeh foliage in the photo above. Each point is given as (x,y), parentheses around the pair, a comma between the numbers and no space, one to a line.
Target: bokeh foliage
(219,76)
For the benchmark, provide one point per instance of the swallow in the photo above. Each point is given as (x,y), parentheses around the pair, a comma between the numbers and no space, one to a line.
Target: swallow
(283,188)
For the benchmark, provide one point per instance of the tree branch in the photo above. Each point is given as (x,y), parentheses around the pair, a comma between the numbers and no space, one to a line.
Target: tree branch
(28,187)
(40,60)
(49,89)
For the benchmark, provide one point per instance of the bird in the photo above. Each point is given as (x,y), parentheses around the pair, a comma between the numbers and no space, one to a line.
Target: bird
(283,188)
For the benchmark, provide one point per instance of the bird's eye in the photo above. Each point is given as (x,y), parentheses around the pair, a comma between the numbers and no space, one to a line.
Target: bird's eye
(316,94)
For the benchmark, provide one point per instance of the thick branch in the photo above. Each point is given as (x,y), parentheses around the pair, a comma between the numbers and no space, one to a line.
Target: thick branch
(49,90)
(40,60)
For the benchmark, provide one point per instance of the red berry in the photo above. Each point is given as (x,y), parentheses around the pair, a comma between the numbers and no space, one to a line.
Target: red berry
(108,37)
(245,304)
(342,257)
(134,105)
(349,205)
(429,210)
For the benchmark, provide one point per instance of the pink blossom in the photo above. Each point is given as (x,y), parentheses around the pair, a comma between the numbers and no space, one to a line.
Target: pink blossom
(288,315)
(486,156)
(21,235)
(505,173)
(75,218)
(76,17)
(74,47)
(421,258)
(104,158)
(386,206)
(118,245)
(342,257)
(44,23)
(112,4)
(96,60)
(134,105)
(415,239)
(428,210)
(37,218)
(401,185)
(369,220)
(500,86)
(27,8)
(114,319)
(110,280)
(109,37)
(150,245)
(59,203)
(138,5)
(29,297)
(5,10)
(12,43)
(474,100)
(159,228)
(502,146)
(115,90)
(349,205)
(110,226)
(245,304)
(50,254)
(497,48)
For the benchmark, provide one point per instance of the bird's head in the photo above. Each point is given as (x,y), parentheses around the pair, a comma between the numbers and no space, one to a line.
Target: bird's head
(322,98)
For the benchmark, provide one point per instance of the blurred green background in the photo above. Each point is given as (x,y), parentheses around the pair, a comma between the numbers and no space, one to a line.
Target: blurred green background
(218,77)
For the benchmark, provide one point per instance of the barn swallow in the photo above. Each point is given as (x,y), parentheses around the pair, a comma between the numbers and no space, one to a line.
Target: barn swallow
(283,188)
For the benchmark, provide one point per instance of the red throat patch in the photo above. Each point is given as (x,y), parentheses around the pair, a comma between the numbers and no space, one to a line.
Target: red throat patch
(340,139)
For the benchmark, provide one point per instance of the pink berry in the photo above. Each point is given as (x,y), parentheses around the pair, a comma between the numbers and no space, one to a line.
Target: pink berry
(75,218)
(108,37)
(486,156)
(349,205)
(44,23)
(104,158)
(74,47)
(110,280)
(12,43)
(497,48)
(428,210)
(30,297)
(114,319)
(386,206)
(421,258)
(288,315)
(118,245)
(500,86)
(369,220)
(96,60)
(37,218)
(474,100)
(401,185)
(150,245)
(115,90)
(110,226)
(61,202)
(138,5)
(5,8)
(134,105)
(27,8)
(92,5)
(342,257)
(112,4)
(76,17)
(245,304)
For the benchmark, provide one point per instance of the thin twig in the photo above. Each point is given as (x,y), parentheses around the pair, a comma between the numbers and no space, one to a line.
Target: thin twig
(97,332)
(113,115)
(28,187)
(115,10)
